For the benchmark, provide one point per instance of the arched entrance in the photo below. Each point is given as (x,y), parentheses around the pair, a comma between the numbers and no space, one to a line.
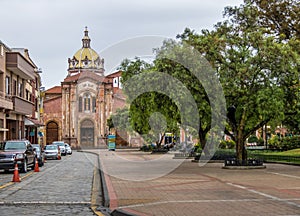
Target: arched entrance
(87,133)
(51,132)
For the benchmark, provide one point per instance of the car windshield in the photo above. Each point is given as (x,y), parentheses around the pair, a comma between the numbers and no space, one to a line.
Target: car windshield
(15,146)
(59,143)
(51,147)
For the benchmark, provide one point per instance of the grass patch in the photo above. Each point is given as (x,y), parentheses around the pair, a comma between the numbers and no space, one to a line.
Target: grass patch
(294,152)
(291,156)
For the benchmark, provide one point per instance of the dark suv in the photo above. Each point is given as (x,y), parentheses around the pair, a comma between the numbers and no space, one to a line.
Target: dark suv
(17,151)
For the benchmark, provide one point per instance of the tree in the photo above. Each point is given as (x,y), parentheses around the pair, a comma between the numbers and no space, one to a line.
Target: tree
(253,53)
(151,112)
(255,68)
(280,19)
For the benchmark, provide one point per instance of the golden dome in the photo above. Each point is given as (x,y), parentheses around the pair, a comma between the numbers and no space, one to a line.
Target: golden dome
(86,57)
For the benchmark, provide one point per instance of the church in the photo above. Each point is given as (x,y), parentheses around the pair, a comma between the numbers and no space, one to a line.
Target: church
(76,112)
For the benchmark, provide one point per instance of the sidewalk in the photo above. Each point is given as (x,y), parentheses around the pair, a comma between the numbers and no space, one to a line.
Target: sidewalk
(191,189)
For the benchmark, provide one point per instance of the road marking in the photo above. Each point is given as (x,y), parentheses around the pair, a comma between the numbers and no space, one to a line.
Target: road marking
(10,183)
(28,174)
(43,203)
(199,201)
(286,175)
(6,185)
(264,194)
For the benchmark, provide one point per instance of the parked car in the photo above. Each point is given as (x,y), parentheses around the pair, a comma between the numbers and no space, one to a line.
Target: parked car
(68,149)
(18,152)
(62,147)
(40,154)
(51,152)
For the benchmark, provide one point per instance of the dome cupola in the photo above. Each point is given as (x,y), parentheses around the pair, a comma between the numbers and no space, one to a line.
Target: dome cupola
(86,59)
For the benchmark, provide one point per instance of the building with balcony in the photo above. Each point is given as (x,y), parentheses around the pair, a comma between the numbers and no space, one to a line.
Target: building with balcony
(19,95)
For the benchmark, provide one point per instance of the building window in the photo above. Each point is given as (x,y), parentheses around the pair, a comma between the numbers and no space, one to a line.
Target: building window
(80,104)
(36,103)
(20,89)
(7,85)
(15,87)
(27,95)
(36,83)
(94,104)
(87,102)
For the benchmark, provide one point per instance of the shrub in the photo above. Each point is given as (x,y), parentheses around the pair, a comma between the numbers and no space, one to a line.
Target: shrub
(288,143)
(252,139)
(285,143)
(230,144)
(223,144)
(274,142)
(260,142)
(227,144)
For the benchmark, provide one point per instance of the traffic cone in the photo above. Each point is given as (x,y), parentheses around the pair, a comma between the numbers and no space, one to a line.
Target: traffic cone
(16,177)
(59,155)
(36,166)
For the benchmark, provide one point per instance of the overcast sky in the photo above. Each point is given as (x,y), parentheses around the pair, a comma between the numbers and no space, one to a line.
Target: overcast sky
(52,29)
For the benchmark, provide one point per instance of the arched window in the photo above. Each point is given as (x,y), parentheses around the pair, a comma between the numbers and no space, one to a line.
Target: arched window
(94,104)
(80,104)
(87,102)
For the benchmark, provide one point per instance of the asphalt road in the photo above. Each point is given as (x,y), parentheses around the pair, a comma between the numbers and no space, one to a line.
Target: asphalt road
(62,187)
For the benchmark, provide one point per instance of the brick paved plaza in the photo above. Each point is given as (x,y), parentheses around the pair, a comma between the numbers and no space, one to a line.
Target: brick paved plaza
(191,189)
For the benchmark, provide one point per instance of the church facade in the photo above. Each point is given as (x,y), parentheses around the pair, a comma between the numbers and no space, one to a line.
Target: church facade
(76,112)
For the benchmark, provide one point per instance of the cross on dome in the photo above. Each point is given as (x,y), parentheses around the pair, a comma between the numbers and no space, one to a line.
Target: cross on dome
(86,41)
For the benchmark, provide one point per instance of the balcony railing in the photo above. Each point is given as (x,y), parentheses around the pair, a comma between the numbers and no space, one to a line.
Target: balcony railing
(22,106)
(5,102)
(19,65)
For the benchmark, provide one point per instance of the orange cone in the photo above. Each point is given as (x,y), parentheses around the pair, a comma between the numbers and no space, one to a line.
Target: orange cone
(16,177)
(36,166)
(59,155)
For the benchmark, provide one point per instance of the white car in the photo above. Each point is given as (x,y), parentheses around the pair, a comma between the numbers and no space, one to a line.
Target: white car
(51,152)
(68,148)
(61,146)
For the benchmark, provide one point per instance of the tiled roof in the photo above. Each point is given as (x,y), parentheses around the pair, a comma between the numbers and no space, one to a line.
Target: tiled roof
(54,90)
(115,74)
(72,78)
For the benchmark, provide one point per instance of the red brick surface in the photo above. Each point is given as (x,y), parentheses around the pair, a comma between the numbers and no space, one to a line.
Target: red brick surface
(208,190)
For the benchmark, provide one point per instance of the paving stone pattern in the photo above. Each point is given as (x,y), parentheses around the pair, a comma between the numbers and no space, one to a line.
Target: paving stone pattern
(60,188)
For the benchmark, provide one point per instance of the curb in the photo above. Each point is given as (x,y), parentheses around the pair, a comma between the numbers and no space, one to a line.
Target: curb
(99,190)
(244,167)
(103,209)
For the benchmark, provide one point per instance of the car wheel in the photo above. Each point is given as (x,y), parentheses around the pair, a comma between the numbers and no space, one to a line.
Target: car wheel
(24,168)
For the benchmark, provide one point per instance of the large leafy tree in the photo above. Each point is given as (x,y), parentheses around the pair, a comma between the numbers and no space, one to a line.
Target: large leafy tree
(151,113)
(255,53)
(180,95)
(257,69)
(280,19)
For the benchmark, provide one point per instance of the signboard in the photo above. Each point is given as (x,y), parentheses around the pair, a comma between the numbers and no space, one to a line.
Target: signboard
(111,142)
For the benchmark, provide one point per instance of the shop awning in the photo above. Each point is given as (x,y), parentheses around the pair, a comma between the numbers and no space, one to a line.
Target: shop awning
(33,122)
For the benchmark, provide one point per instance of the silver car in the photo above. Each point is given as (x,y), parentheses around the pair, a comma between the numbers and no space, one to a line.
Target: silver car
(51,152)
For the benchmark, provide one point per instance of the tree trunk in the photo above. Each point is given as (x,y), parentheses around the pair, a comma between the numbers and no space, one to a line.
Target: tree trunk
(158,143)
(241,153)
(202,138)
